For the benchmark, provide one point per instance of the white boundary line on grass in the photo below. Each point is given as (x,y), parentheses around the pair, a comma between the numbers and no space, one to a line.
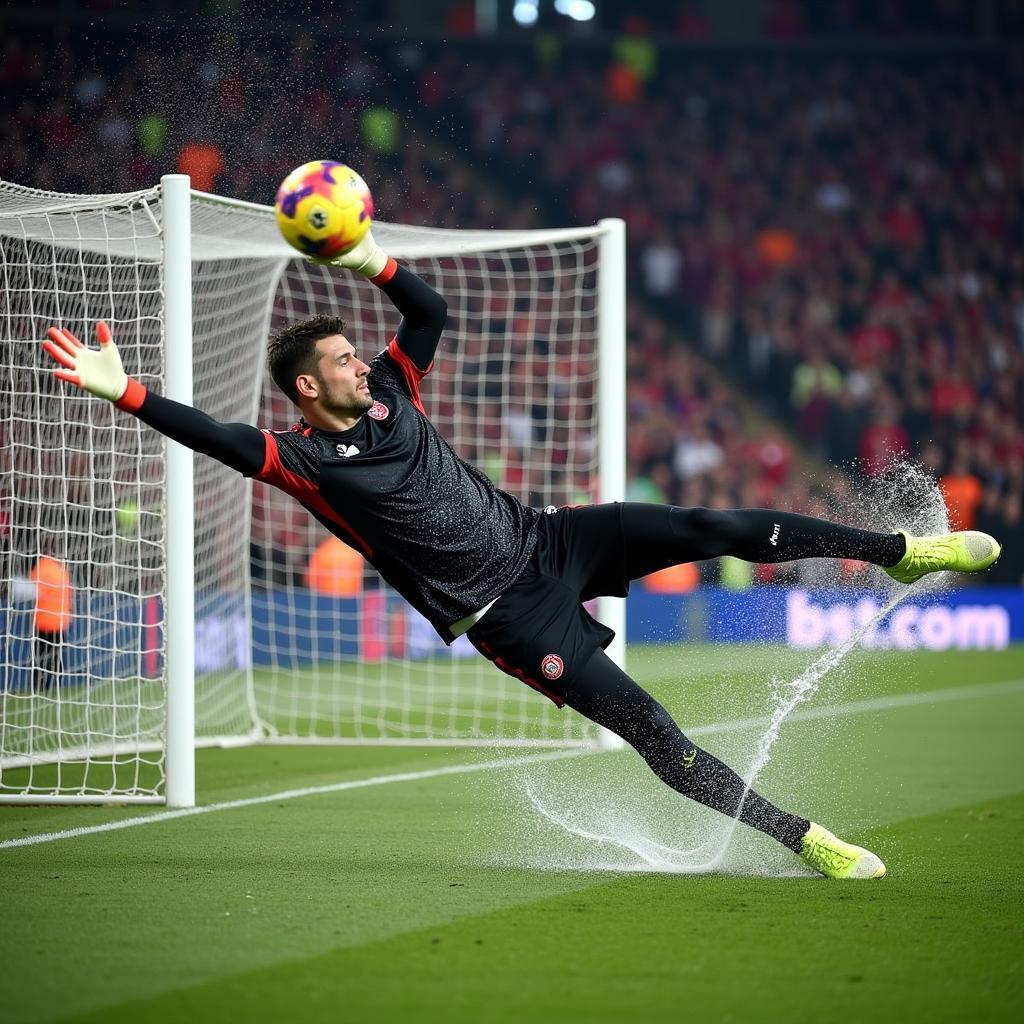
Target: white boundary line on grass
(291,794)
(900,700)
(859,707)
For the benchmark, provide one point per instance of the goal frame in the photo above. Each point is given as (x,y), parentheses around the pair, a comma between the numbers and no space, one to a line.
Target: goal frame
(177,264)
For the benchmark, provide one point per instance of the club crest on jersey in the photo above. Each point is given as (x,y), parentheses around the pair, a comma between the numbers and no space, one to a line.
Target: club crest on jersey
(552,666)
(378,411)
(347,450)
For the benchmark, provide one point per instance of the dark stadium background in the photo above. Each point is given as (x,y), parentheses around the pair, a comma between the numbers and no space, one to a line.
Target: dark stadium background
(823,200)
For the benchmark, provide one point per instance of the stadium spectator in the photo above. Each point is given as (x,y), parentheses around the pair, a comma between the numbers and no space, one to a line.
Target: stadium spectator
(151,130)
(335,569)
(202,162)
(962,492)
(662,263)
(54,606)
(816,384)
(882,441)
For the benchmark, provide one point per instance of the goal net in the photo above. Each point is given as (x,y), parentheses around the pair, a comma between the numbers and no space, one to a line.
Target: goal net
(296,639)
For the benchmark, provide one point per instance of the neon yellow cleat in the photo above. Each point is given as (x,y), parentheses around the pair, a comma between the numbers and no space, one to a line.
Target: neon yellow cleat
(836,859)
(966,551)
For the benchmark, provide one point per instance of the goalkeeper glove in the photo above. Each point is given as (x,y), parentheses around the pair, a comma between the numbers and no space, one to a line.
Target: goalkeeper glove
(366,257)
(98,372)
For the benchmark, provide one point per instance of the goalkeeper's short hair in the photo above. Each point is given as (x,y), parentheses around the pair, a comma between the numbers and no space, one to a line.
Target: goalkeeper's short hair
(292,349)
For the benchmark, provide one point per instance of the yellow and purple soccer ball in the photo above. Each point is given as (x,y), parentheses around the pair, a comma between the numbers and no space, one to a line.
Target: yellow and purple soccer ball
(323,209)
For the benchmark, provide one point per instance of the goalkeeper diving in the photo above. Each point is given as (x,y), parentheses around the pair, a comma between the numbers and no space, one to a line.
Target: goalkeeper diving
(366,461)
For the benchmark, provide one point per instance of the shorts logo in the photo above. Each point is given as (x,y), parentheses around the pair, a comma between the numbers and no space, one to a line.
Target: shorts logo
(552,666)
(378,411)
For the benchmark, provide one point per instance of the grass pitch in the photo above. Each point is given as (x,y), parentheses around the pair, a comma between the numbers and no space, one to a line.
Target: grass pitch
(447,897)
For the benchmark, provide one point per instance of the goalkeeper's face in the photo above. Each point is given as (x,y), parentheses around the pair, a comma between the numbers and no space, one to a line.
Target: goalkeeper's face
(341,378)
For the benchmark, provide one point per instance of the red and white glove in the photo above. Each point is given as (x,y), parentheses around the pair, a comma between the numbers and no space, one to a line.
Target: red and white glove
(97,371)
(365,257)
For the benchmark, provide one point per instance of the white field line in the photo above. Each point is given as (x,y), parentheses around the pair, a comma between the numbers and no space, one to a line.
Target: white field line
(291,794)
(859,707)
(736,725)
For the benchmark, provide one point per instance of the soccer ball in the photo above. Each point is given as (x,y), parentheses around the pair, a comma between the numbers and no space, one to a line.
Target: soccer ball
(323,209)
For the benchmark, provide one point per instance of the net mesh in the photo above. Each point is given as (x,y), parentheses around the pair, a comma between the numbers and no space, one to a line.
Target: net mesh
(86,702)
(283,650)
(513,388)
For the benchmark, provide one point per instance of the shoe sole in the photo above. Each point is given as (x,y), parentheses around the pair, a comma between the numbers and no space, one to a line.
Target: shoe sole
(867,867)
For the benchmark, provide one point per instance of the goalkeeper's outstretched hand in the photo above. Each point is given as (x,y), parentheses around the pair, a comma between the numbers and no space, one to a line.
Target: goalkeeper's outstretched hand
(365,257)
(97,371)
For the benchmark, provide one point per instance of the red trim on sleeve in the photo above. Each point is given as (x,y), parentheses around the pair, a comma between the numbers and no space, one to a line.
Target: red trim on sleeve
(271,458)
(411,372)
(133,397)
(275,474)
(389,271)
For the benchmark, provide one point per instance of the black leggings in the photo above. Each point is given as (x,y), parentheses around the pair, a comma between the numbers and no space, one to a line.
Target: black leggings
(657,536)
(48,661)
(607,696)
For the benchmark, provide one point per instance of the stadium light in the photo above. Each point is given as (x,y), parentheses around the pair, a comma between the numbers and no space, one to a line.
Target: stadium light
(578,10)
(525,12)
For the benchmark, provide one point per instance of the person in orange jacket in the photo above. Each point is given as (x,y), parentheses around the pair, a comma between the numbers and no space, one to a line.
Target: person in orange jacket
(54,599)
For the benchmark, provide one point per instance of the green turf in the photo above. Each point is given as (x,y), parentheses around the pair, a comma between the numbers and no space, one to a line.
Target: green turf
(387,699)
(442,899)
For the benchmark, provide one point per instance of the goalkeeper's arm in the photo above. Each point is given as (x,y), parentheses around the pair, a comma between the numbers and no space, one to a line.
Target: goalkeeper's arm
(238,445)
(424,312)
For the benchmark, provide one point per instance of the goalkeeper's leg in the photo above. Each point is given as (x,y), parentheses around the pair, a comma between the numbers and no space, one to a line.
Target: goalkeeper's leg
(656,536)
(605,694)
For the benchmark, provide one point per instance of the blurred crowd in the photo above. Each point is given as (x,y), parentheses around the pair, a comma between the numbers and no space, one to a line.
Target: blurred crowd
(822,248)
(839,236)
(795,20)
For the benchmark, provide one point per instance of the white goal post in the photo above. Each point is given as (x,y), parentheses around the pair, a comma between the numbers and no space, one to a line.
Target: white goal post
(201,612)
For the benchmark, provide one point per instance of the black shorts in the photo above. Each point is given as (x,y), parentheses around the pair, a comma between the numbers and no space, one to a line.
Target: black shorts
(538,630)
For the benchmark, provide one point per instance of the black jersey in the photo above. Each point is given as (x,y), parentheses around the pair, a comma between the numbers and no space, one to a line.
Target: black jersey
(433,526)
